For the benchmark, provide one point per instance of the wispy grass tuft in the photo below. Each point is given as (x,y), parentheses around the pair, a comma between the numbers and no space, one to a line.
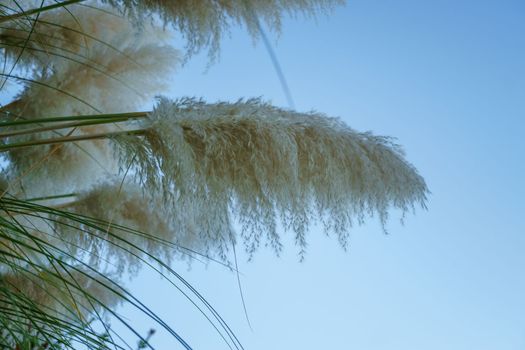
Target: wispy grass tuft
(204,22)
(257,164)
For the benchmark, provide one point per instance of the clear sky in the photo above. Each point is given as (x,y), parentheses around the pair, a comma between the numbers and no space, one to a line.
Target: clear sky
(447,78)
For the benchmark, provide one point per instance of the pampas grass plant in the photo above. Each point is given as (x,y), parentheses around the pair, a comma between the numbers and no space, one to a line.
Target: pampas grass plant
(93,190)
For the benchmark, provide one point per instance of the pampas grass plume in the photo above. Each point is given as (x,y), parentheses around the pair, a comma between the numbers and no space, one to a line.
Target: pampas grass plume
(268,165)
(132,225)
(73,295)
(119,71)
(203,22)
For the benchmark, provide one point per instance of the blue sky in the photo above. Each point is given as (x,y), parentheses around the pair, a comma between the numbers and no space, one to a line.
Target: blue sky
(447,78)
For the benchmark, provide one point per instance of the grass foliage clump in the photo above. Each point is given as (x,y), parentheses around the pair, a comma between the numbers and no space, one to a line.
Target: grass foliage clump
(94,189)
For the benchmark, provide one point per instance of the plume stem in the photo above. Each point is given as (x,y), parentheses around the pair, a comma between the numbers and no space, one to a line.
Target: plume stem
(62,126)
(65,139)
(130,115)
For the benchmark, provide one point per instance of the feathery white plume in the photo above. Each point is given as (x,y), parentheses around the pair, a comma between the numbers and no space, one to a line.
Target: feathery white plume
(266,165)
(84,54)
(129,225)
(204,22)
(118,70)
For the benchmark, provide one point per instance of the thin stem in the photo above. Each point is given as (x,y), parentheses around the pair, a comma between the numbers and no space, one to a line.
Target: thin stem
(61,126)
(131,115)
(37,199)
(8,147)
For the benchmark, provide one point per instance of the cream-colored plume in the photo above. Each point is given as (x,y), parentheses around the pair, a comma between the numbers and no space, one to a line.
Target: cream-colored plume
(91,62)
(67,295)
(204,22)
(268,165)
(129,225)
